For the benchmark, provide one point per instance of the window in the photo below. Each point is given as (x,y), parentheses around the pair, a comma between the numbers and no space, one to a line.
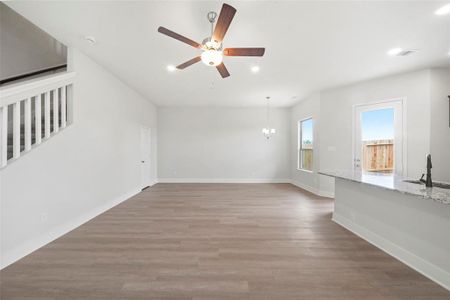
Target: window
(305,145)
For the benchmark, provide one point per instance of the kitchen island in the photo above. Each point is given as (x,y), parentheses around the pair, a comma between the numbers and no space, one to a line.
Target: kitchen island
(406,220)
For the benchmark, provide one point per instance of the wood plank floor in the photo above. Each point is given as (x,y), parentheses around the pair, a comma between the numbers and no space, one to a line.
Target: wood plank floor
(215,241)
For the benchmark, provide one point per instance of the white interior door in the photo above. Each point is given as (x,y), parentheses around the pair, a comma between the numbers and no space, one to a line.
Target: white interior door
(146,173)
(379,114)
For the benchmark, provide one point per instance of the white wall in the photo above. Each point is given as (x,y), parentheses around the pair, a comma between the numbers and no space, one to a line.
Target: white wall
(333,109)
(85,169)
(222,145)
(440,127)
(24,47)
(337,117)
(307,108)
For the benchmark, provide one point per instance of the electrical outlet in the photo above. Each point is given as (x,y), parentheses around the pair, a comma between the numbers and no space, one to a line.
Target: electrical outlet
(331,148)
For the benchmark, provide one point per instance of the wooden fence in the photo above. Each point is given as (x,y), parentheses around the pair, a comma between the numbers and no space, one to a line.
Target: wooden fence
(378,156)
(307,157)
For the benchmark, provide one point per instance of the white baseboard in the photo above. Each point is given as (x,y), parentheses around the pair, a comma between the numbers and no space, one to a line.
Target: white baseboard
(23,250)
(326,194)
(152,183)
(246,180)
(221,180)
(312,189)
(422,266)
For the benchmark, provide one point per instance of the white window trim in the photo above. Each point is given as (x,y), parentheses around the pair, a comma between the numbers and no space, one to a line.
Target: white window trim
(299,141)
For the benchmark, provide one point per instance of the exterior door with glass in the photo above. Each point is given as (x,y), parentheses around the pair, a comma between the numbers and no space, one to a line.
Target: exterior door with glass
(378,137)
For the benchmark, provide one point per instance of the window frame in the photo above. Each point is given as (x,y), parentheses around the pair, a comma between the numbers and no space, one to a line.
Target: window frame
(299,144)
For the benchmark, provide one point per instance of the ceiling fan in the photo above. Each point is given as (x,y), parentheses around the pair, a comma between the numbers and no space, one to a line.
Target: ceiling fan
(211,46)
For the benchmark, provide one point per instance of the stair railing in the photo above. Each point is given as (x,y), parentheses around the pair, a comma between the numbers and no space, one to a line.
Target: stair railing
(33,111)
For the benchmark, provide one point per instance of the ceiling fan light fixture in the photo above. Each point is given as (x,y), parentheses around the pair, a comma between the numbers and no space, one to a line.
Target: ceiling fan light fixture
(212,57)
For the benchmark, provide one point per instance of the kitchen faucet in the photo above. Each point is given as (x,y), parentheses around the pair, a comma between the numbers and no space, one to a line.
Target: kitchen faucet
(427,181)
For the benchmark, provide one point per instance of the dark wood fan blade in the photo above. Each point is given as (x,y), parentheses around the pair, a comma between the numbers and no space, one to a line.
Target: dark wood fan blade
(179,37)
(223,70)
(225,17)
(189,62)
(244,51)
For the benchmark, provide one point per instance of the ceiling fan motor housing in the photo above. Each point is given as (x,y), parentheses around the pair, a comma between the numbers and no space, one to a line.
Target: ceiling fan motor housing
(210,44)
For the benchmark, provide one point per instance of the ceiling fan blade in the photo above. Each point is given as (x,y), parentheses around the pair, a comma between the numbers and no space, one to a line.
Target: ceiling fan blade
(225,17)
(223,70)
(189,62)
(179,37)
(244,51)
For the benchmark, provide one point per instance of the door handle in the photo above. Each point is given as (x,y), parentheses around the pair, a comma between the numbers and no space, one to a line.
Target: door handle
(142,161)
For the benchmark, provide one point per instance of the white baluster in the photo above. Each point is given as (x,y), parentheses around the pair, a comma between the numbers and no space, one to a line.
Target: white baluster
(38,119)
(16,130)
(3,135)
(52,101)
(27,124)
(55,111)
(63,107)
(47,114)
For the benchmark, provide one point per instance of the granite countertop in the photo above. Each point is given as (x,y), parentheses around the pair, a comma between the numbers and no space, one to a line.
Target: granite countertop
(394,183)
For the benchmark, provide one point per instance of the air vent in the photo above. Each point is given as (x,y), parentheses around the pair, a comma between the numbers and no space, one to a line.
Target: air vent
(407,52)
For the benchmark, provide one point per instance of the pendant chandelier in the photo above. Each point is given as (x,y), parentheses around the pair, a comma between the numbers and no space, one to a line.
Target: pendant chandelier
(267,131)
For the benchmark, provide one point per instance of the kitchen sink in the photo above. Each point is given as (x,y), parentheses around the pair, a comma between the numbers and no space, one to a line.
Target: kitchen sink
(435,184)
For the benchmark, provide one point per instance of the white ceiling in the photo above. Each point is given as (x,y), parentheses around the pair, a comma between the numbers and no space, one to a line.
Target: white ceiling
(310,45)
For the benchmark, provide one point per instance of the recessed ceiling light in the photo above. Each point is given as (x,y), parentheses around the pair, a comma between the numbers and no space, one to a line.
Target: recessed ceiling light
(443,10)
(394,51)
(171,68)
(255,69)
(90,39)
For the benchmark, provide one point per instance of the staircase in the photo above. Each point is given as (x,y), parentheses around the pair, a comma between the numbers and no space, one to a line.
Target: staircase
(32,112)
(33,133)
